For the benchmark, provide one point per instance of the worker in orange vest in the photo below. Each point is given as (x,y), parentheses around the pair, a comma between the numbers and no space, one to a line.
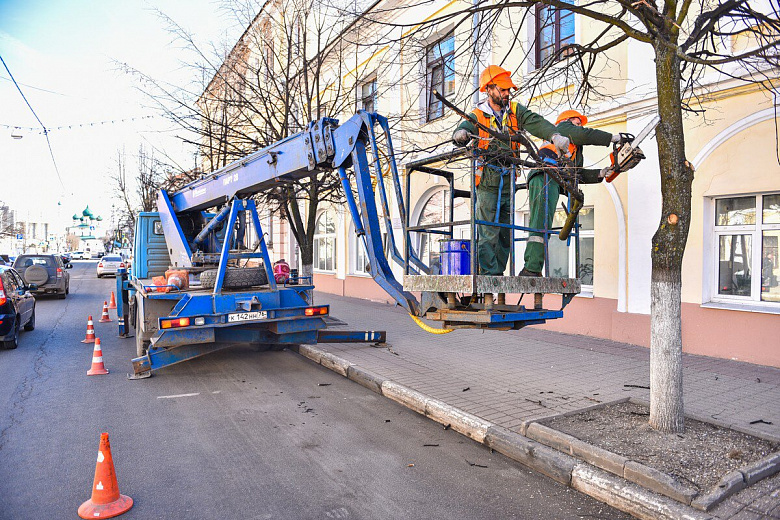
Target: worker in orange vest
(492,177)
(571,124)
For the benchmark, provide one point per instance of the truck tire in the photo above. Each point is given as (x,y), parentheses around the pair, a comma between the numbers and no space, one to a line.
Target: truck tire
(235,278)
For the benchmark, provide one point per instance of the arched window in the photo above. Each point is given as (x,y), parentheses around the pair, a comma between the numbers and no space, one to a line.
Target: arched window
(435,210)
(325,241)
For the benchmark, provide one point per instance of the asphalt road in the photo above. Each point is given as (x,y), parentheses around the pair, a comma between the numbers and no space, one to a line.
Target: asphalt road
(238,434)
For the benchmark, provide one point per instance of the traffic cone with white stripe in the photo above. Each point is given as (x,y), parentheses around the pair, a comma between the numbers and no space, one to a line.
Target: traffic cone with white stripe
(112,301)
(90,338)
(105,317)
(98,368)
(106,501)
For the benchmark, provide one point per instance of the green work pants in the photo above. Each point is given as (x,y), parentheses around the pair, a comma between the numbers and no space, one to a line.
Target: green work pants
(494,242)
(534,249)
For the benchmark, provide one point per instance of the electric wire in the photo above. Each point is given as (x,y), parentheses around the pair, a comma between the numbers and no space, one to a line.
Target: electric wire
(45,131)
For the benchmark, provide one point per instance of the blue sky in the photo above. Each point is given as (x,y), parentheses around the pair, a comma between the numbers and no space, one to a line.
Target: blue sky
(63,54)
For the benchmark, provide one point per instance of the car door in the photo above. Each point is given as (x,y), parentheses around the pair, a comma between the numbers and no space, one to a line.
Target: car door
(26,301)
(11,285)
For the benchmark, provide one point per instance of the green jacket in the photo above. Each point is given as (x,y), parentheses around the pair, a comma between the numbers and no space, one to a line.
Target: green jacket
(529,121)
(581,136)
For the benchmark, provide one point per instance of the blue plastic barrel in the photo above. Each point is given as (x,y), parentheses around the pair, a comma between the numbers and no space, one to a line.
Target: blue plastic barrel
(455,257)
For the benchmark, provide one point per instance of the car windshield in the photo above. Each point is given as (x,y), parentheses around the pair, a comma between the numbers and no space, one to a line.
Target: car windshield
(28,261)
(111,259)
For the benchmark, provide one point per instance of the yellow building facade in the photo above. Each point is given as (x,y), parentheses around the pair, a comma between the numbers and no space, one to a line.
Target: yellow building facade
(390,58)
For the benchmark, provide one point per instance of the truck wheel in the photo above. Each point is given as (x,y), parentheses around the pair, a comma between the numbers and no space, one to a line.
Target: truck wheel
(235,278)
(141,346)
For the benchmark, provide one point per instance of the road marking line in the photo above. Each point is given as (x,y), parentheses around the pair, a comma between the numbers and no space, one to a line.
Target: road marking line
(175,396)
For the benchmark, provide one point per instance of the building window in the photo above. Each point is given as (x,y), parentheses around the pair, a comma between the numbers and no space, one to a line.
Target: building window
(563,258)
(325,242)
(554,31)
(436,210)
(440,73)
(359,256)
(367,100)
(747,236)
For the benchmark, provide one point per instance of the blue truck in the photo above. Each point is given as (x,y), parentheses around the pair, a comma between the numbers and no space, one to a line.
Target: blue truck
(210,231)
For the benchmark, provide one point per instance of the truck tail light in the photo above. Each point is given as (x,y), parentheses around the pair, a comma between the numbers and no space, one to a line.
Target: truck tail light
(59,272)
(316,311)
(100,264)
(121,264)
(174,323)
(3,299)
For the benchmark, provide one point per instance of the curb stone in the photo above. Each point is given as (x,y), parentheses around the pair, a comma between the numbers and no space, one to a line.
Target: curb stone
(592,481)
(616,464)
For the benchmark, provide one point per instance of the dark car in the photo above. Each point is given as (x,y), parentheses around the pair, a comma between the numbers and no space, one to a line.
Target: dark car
(65,258)
(47,272)
(17,307)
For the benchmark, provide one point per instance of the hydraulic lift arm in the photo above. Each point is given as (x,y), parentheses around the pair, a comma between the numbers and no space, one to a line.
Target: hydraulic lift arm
(323,146)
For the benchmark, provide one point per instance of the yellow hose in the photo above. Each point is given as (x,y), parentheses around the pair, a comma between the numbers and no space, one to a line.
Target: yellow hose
(428,328)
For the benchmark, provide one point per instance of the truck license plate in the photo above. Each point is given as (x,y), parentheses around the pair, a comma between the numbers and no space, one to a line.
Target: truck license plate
(247,316)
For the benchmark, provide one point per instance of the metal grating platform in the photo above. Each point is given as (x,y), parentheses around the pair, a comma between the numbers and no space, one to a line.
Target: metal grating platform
(491,284)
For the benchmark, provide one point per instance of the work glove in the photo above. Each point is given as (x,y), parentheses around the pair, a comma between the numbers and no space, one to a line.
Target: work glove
(461,137)
(561,143)
(604,172)
(615,138)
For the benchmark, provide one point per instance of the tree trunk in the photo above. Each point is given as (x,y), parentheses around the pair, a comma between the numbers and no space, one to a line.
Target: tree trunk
(666,395)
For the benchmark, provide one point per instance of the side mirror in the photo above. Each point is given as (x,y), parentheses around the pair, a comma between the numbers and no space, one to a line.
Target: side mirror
(32,287)
(68,266)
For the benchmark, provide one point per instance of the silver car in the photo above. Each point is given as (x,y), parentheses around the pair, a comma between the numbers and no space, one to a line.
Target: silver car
(109,264)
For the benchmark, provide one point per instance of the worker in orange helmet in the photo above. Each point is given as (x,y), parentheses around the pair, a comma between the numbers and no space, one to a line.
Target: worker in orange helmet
(571,124)
(492,177)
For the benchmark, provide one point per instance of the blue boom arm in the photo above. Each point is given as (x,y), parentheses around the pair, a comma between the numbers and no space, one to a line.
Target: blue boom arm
(323,146)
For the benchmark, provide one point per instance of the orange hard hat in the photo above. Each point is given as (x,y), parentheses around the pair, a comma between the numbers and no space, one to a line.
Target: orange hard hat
(568,114)
(495,75)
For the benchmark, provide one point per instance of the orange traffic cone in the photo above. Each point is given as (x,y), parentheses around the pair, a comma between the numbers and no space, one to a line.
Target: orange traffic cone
(106,502)
(105,317)
(112,301)
(90,338)
(98,368)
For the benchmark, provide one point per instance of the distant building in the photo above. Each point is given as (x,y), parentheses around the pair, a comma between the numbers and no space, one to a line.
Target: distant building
(88,228)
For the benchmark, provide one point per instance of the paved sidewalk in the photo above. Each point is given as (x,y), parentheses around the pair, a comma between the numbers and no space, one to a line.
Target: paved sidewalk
(511,378)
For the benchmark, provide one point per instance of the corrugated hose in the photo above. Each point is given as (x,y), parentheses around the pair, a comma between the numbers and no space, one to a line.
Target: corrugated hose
(428,328)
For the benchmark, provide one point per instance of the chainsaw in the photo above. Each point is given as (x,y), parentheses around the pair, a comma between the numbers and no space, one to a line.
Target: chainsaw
(626,153)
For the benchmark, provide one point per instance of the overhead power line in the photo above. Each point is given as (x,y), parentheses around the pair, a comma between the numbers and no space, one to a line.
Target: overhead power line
(81,125)
(45,132)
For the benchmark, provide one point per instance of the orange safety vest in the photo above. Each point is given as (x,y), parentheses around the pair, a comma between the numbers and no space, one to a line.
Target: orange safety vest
(550,146)
(510,123)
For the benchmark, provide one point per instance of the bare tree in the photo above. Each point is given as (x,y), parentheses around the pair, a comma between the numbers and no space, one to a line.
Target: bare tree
(138,192)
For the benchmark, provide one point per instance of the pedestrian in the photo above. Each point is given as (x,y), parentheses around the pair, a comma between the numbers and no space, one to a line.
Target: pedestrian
(571,124)
(494,164)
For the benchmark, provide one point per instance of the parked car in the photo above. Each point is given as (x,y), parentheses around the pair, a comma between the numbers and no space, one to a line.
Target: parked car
(47,272)
(109,264)
(17,306)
